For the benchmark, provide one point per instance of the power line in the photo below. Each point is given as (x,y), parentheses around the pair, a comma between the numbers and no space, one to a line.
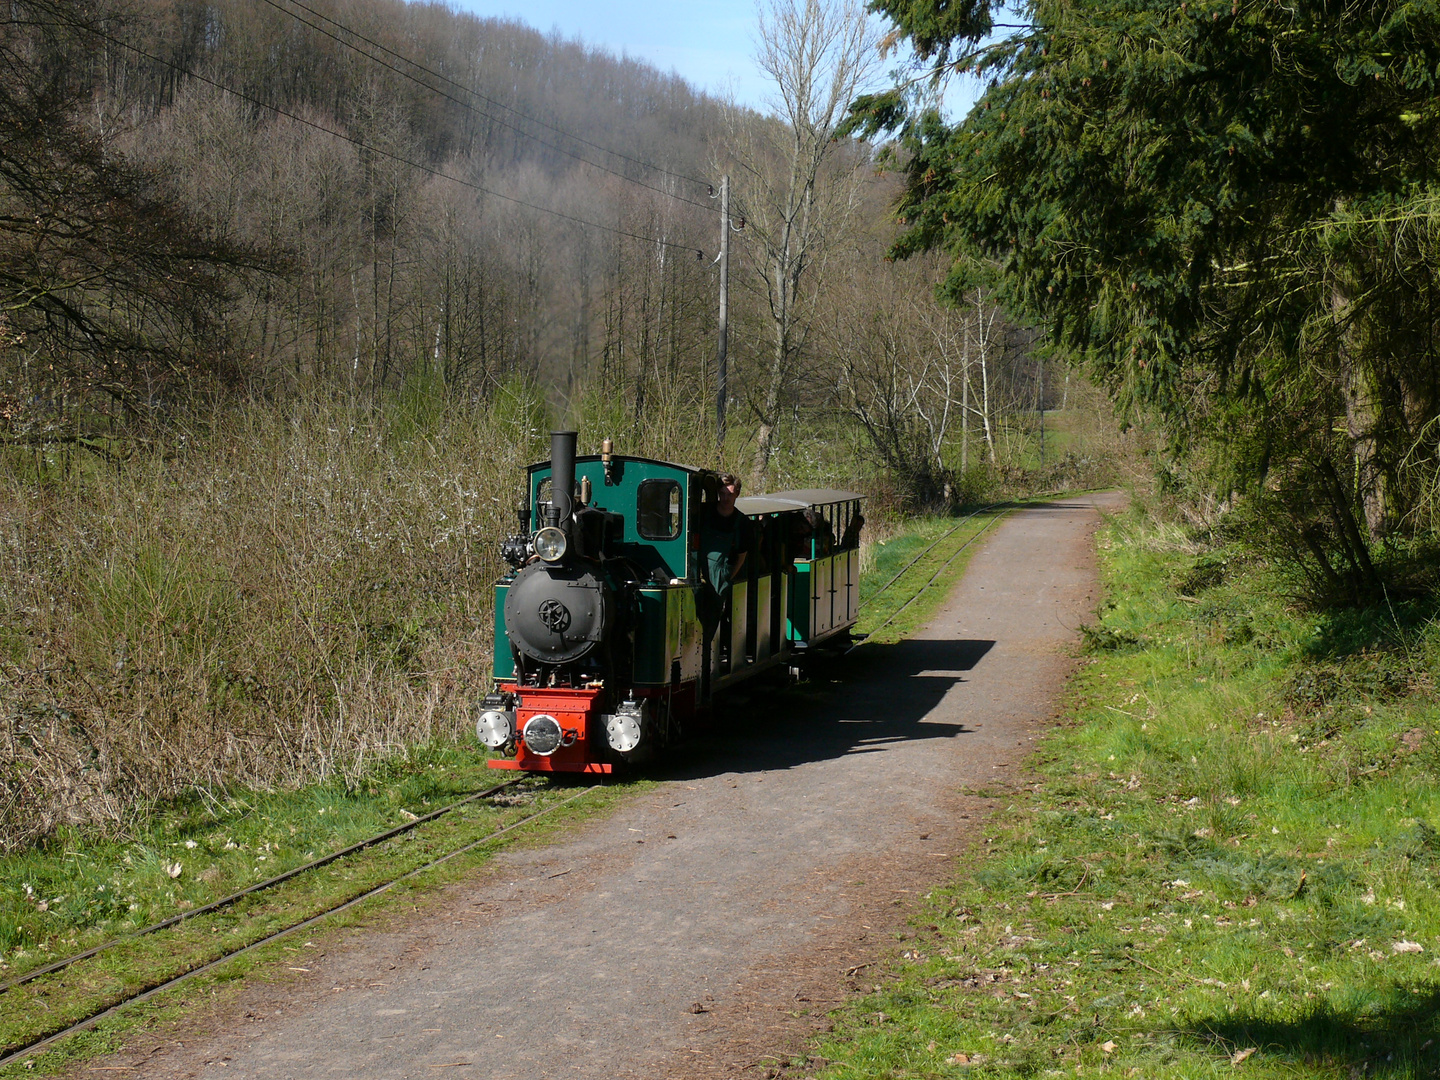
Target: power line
(382,153)
(466,105)
(498,104)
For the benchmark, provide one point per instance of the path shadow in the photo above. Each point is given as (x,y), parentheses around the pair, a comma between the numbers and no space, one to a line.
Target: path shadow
(1387,1031)
(872,699)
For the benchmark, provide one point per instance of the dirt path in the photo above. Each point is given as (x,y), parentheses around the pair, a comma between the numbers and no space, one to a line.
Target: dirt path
(706,927)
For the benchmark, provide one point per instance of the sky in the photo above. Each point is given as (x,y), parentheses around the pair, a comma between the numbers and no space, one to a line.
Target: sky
(710,43)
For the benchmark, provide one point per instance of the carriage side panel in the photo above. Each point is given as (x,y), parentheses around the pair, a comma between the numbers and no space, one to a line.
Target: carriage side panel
(799,606)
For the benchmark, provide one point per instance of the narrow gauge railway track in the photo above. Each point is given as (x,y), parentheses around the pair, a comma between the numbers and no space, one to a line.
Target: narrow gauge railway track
(870,635)
(13,1054)
(936,543)
(260,886)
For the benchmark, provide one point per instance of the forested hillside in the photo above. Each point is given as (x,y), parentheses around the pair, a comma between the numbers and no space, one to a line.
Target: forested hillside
(291,290)
(285,198)
(366,179)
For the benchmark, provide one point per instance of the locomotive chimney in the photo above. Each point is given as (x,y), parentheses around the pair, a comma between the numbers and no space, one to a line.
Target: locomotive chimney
(562,472)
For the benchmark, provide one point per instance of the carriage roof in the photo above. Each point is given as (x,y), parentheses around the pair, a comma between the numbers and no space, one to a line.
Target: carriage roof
(775,502)
(780,501)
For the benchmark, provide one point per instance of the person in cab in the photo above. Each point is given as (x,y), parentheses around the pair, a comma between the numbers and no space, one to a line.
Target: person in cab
(725,541)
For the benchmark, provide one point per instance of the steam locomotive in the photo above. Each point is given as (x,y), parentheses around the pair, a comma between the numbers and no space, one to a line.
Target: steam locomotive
(605,648)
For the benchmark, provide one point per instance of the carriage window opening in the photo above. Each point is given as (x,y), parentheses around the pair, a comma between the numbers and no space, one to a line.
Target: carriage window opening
(658,510)
(542,499)
(853,522)
(825,532)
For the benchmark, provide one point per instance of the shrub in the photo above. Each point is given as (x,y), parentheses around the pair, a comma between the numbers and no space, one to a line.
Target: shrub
(278,597)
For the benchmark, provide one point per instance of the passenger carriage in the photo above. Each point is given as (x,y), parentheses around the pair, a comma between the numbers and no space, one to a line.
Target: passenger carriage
(601,657)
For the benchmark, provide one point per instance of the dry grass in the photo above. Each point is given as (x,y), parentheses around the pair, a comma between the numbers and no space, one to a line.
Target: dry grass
(279,600)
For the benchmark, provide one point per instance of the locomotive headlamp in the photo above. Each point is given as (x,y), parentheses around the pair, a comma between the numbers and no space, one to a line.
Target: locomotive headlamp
(495,728)
(542,735)
(551,544)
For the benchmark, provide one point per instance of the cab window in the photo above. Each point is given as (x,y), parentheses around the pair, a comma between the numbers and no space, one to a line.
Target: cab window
(658,510)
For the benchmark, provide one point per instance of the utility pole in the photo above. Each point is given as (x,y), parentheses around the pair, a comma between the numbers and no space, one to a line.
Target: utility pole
(722,373)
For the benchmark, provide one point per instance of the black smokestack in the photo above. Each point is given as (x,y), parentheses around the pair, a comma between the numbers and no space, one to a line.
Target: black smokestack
(562,472)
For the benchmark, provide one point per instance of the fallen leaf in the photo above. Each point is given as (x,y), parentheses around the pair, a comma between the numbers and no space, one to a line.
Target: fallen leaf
(1109,1047)
(1407,946)
(174,869)
(959,1059)
(1241,1055)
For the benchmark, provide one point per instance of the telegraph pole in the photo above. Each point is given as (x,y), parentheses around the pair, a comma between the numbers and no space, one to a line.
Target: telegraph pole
(722,346)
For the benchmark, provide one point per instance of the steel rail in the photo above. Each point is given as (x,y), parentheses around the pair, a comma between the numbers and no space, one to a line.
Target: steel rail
(226,901)
(954,555)
(912,562)
(13,1055)
(927,551)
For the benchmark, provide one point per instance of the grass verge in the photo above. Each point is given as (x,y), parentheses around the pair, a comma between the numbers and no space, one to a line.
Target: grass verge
(72,894)
(884,616)
(1225,861)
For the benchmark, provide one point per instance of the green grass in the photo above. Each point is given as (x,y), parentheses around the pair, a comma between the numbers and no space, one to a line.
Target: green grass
(75,890)
(1229,854)
(73,893)
(891,555)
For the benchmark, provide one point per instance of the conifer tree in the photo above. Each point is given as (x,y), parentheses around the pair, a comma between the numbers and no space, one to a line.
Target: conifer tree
(1227,210)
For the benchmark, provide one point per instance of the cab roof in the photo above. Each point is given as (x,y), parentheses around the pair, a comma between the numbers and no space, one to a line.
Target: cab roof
(779,501)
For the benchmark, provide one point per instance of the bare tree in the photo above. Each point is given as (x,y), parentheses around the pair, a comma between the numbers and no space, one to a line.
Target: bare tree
(114,293)
(979,349)
(794,183)
(901,365)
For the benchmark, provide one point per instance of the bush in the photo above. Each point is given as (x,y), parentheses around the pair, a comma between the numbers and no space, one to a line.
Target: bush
(279,597)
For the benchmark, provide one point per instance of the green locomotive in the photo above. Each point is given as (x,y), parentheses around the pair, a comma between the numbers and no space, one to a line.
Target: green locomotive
(607,645)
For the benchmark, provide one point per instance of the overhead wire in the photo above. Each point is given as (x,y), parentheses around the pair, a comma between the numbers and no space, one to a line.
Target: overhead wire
(476,94)
(500,104)
(399,158)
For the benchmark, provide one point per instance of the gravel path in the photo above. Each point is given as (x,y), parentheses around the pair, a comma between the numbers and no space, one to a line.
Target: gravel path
(706,926)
